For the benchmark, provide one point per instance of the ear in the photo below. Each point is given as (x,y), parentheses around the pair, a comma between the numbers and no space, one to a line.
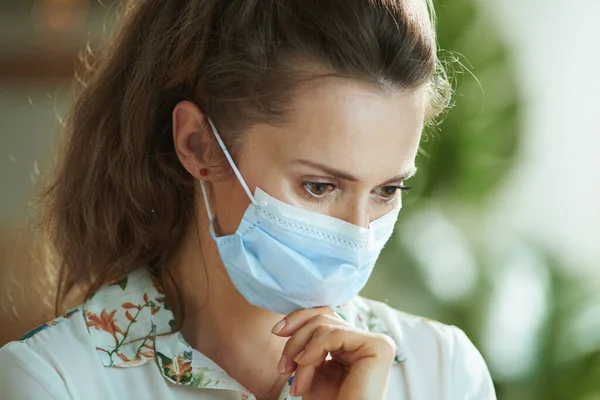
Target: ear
(191,138)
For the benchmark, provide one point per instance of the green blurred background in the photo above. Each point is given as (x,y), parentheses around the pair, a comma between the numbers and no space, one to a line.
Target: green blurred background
(500,234)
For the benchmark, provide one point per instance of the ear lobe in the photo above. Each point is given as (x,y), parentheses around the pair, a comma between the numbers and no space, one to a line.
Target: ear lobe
(190,137)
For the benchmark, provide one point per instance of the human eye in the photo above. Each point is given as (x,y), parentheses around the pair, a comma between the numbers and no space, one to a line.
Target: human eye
(318,189)
(388,193)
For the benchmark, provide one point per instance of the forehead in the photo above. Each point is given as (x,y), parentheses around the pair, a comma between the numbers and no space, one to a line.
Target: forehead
(350,126)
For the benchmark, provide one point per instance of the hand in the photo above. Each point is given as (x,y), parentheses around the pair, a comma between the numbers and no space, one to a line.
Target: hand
(360,361)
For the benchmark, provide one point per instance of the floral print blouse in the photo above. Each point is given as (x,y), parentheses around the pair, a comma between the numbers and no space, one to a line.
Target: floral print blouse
(121,344)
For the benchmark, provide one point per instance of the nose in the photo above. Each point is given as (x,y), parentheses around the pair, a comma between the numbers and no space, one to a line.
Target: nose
(357,213)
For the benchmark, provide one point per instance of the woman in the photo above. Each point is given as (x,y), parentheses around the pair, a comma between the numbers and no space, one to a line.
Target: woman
(230,172)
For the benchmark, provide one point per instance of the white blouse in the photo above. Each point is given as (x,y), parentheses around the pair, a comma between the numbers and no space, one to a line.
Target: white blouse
(120,345)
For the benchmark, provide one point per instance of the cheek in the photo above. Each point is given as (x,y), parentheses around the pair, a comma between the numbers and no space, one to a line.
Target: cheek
(229,203)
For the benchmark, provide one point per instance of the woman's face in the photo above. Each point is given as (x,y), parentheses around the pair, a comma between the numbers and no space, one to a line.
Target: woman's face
(345,150)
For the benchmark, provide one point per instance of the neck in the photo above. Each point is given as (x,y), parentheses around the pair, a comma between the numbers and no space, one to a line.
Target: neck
(218,320)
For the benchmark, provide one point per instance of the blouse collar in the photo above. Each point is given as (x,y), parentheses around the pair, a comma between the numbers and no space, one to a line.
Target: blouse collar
(131,324)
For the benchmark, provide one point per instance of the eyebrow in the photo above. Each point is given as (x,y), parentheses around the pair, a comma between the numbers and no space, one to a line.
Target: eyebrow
(351,178)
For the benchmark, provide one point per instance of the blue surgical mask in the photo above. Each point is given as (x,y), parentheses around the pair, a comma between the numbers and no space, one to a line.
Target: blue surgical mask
(284,258)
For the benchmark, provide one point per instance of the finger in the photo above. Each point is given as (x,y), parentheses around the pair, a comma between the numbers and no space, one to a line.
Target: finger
(317,326)
(302,380)
(294,321)
(348,346)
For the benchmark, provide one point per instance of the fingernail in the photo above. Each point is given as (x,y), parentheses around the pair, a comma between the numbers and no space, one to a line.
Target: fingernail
(278,326)
(299,356)
(282,364)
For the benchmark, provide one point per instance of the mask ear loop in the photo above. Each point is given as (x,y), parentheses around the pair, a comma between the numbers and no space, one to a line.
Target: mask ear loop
(231,162)
(211,216)
(207,203)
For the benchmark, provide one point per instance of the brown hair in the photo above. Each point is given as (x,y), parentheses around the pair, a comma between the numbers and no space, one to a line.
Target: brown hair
(119,197)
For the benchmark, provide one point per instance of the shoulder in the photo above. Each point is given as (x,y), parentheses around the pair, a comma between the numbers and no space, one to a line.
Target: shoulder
(32,366)
(67,332)
(433,351)
(24,374)
(417,335)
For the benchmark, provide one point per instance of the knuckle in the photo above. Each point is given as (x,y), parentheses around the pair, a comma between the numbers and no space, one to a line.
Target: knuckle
(323,319)
(322,329)
(385,345)
(338,333)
